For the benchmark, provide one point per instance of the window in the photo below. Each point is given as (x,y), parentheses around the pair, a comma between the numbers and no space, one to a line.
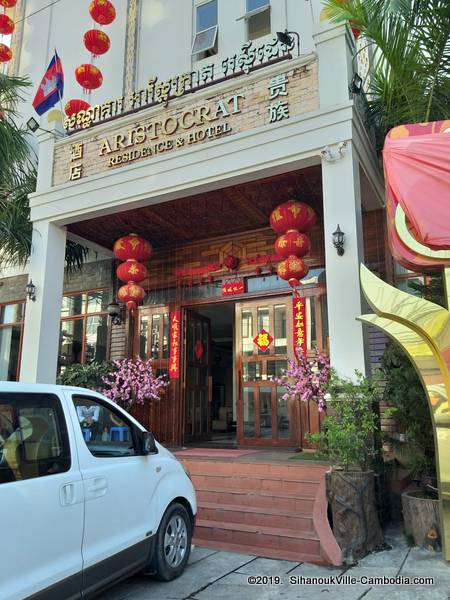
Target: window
(154,338)
(104,430)
(11,329)
(33,437)
(84,328)
(205,41)
(258,18)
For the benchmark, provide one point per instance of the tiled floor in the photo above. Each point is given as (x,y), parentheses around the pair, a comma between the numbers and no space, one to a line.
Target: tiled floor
(213,575)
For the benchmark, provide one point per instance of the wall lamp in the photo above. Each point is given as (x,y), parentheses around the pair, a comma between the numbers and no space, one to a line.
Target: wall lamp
(113,310)
(355,86)
(285,37)
(30,290)
(33,126)
(338,240)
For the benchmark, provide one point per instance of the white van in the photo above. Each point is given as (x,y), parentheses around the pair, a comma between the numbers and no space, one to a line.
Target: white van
(87,496)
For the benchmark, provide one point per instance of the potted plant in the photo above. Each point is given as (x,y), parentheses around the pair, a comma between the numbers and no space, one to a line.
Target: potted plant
(348,438)
(412,447)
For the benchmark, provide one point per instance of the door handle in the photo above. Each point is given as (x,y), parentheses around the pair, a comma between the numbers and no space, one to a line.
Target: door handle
(96,487)
(67,494)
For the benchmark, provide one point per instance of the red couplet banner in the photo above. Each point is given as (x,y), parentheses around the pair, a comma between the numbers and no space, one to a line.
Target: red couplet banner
(299,313)
(174,359)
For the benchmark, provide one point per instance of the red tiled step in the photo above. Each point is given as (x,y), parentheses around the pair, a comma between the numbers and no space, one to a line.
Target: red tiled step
(261,499)
(295,521)
(216,467)
(259,536)
(255,482)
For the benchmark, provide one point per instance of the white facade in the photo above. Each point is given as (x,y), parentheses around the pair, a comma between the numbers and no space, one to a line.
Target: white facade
(333,135)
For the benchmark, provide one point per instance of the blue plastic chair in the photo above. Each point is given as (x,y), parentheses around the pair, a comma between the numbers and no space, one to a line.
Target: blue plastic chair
(119,434)
(87,434)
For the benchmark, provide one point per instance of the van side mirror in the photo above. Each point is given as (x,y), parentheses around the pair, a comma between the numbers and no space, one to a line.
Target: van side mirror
(148,444)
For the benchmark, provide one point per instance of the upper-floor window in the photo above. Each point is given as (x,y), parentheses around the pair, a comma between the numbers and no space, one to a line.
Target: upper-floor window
(11,327)
(84,327)
(205,41)
(257,18)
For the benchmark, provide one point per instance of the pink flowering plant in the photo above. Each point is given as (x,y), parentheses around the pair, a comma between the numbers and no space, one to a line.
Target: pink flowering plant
(133,382)
(306,379)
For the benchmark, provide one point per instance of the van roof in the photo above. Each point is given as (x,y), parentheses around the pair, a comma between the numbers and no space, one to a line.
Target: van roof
(20,386)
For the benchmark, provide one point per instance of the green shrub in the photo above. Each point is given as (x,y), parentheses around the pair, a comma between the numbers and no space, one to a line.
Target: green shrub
(89,376)
(349,427)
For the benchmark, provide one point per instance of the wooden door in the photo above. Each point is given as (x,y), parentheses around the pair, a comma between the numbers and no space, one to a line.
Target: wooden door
(263,417)
(197,377)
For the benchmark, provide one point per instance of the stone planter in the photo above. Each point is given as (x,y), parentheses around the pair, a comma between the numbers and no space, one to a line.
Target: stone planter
(356,527)
(422,519)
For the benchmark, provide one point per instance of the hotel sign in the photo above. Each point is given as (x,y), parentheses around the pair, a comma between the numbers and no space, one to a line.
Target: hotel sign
(253,103)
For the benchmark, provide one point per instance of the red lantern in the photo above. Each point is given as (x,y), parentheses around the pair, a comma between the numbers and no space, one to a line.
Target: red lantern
(131,270)
(292,269)
(132,246)
(88,76)
(102,11)
(96,41)
(131,292)
(292,243)
(5,53)
(292,215)
(6,24)
(356,32)
(74,106)
(231,262)
(8,3)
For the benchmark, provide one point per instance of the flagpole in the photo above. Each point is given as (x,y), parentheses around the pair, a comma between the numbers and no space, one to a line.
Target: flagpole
(59,93)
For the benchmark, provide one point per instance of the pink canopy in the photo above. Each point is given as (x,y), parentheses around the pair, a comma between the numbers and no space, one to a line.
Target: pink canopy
(417,172)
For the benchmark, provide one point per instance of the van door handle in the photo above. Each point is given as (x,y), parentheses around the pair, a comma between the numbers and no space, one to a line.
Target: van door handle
(68,495)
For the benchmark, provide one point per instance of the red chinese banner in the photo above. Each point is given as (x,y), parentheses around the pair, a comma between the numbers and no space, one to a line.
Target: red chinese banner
(174,360)
(299,313)
(232,288)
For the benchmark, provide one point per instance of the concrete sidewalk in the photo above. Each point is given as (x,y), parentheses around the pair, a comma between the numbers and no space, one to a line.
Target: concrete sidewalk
(214,575)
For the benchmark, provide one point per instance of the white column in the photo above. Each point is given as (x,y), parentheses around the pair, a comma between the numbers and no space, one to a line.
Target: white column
(42,317)
(342,206)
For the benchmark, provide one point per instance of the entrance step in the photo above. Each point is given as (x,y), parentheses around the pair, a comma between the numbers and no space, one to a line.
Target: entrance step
(269,509)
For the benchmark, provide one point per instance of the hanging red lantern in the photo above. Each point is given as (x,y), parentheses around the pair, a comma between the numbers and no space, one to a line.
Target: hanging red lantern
(74,106)
(231,262)
(102,11)
(131,292)
(5,53)
(356,32)
(6,24)
(88,76)
(131,270)
(96,41)
(132,246)
(292,243)
(292,215)
(8,3)
(292,269)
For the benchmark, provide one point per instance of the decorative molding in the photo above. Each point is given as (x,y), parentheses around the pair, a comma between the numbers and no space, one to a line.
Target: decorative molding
(16,40)
(131,36)
(333,153)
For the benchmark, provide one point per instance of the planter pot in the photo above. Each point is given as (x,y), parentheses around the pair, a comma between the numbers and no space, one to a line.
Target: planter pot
(422,519)
(356,527)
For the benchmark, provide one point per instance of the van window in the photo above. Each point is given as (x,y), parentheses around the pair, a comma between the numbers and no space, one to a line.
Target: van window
(33,437)
(104,430)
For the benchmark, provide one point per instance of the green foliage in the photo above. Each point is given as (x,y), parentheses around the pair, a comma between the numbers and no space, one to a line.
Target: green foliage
(349,428)
(18,180)
(409,407)
(410,69)
(89,376)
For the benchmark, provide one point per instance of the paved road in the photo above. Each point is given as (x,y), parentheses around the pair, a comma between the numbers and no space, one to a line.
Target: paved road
(213,575)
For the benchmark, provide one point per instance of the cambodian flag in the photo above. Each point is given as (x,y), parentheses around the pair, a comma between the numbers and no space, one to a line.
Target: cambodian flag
(51,88)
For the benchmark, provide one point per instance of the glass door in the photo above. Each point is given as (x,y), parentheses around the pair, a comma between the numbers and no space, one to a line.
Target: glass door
(264,341)
(198,377)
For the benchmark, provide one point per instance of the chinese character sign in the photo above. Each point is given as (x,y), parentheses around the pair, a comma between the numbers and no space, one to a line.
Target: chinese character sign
(299,313)
(232,288)
(263,340)
(174,359)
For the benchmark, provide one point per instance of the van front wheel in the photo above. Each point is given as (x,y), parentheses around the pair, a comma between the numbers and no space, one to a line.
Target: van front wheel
(173,543)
